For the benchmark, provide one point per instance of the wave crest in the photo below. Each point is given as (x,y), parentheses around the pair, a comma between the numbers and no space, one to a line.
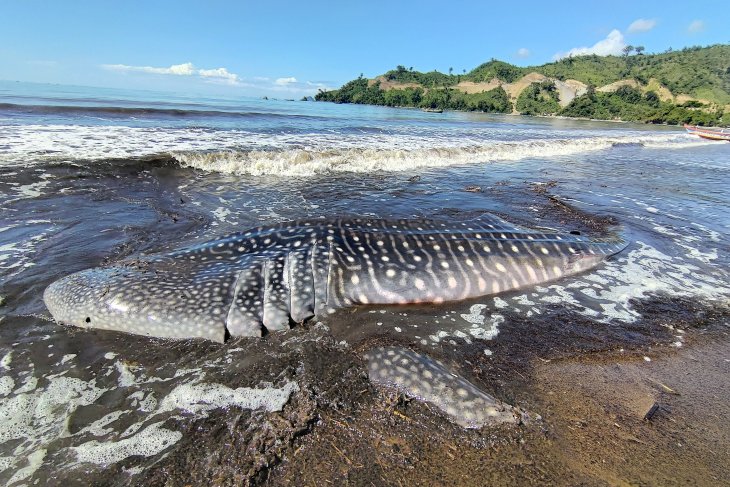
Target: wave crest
(304,162)
(302,154)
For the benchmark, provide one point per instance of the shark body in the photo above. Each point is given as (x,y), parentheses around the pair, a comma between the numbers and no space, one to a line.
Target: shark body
(272,276)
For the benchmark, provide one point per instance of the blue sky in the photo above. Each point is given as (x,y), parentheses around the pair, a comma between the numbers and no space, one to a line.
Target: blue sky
(288,49)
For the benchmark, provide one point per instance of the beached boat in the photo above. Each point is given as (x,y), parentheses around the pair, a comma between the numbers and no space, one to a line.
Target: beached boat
(709,133)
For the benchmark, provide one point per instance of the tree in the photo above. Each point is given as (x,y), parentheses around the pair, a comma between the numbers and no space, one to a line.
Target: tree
(629,94)
(591,91)
(627,50)
(639,49)
(451,70)
(539,99)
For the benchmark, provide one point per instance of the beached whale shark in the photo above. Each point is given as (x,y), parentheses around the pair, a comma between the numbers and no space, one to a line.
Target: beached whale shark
(269,277)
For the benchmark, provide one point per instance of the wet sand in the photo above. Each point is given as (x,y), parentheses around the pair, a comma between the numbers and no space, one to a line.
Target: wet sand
(600,425)
(598,412)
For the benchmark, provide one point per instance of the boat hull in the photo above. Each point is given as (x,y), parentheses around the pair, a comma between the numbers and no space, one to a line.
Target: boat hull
(709,134)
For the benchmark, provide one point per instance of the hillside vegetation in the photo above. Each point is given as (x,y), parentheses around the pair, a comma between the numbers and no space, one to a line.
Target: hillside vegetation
(687,86)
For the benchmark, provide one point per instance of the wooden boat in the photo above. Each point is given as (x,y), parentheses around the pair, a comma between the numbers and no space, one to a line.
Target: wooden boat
(708,133)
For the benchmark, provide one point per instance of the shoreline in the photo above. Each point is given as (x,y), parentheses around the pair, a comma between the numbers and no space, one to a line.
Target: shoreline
(513,114)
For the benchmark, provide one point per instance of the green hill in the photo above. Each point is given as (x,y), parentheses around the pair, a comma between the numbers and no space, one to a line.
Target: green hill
(691,85)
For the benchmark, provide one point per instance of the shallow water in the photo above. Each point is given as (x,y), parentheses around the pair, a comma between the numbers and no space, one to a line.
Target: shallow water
(91,176)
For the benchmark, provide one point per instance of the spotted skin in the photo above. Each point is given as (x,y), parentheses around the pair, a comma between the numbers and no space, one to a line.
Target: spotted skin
(426,379)
(270,277)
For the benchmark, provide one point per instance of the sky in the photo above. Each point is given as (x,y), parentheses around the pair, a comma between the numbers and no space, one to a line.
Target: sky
(290,49)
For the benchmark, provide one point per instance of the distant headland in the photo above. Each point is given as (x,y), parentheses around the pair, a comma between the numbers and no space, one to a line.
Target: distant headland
(691,85)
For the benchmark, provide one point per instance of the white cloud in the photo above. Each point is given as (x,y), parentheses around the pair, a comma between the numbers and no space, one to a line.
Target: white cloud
(262,84)
(286,81)
(185,69)
(523,52)
(611,45)
(221,74)
(641,25)
(696,26)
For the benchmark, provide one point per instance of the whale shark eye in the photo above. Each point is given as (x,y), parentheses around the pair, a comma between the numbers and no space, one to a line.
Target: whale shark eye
(574,232)
(88,319)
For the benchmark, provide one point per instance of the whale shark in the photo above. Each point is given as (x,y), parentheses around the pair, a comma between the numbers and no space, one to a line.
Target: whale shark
(268,278)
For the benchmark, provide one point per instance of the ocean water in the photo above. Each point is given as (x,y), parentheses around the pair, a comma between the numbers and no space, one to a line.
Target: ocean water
(90,176)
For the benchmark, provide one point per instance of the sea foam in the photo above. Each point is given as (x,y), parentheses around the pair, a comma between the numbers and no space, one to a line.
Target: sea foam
(307,154)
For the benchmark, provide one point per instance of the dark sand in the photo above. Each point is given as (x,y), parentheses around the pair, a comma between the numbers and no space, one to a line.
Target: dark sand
(587,393)
(593,429)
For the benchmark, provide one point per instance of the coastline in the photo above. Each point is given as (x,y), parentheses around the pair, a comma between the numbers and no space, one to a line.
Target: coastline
(649,88)
(516,114)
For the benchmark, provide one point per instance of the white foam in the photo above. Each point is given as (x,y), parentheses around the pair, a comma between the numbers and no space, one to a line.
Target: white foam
(99,427)
(17,256)
(475,314)
(491,331)
(29,385)
(126,377)
(6,360)
(7,384)
(195,398)
(643,272)
(67,358)
(37,409)
(221,213)
(198,398)
(307,154)
(36,417)
(478,329)
(309,162)
(150,441)
(34,461)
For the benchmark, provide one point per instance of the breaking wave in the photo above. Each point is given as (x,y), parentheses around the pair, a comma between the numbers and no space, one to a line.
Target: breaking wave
(299,154)
(300,162)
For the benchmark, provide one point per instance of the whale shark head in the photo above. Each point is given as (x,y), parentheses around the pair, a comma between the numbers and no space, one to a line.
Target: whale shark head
(142,301)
